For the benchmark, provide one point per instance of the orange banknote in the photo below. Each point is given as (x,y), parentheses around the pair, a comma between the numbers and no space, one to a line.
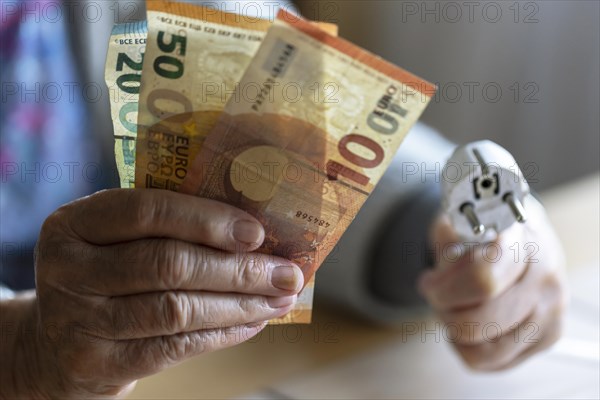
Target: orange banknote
(312,126)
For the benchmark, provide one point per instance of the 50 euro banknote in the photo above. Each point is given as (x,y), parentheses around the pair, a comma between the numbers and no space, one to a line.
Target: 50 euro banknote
(195,57)
(301,163)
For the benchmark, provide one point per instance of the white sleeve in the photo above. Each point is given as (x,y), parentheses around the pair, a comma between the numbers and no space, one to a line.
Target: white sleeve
(346,278)
(6,293)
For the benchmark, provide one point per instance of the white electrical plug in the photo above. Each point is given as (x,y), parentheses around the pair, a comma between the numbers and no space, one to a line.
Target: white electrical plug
(483,191)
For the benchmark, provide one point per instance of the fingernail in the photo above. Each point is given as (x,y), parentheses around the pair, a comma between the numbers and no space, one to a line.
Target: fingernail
(280,302)
(286,278)
(424,282)
(247,232)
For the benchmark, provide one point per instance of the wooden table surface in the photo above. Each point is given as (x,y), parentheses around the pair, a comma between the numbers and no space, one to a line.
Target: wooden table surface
(283,352)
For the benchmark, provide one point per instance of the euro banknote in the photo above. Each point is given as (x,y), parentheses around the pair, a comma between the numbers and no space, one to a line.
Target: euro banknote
(123,73)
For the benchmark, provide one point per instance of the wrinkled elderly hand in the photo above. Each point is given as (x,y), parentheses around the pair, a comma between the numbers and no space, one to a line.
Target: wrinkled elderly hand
(130,282)
(503,301)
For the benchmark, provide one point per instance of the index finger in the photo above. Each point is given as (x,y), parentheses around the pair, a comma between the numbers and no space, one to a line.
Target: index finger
(121,215)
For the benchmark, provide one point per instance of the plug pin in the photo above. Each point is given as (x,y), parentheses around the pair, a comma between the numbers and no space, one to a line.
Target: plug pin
(469,211)
(485,171)
(516,207)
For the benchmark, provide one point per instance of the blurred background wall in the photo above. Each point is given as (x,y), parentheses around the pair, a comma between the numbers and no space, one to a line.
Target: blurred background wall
(524,74)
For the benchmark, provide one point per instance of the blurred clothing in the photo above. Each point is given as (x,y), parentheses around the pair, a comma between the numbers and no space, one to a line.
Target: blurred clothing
(46,155)
(43,123)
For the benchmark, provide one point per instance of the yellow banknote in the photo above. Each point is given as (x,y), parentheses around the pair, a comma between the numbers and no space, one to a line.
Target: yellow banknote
(195,58)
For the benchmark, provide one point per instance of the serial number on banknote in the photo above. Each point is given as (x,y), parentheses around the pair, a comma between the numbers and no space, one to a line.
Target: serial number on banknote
(313,219)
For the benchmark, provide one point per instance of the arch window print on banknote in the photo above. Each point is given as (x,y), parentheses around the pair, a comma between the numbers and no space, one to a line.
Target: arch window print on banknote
(284,120)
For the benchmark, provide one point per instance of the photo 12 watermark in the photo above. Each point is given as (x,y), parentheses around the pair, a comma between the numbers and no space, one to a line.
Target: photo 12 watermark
(453,12)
